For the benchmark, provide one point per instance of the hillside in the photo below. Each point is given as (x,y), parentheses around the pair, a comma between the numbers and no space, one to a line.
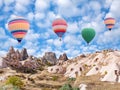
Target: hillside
(95,71)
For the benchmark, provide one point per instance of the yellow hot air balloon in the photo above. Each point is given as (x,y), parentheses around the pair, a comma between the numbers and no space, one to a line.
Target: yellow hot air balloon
(18,27)
(109,22)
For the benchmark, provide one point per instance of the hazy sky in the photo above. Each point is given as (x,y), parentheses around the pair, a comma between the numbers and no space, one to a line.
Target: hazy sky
(79,14)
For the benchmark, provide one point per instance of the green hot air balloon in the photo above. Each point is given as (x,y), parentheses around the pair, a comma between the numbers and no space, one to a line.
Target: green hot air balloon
(88,34)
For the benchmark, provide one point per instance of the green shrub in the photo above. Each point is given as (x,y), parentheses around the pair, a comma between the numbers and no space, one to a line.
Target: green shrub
(15,81)
(55,78)
(86,65)
(71,79)
(9,87)
(47,89)
(66,87)
(40,68)
(26,70)
(48,63)
(105,72)
(75,88)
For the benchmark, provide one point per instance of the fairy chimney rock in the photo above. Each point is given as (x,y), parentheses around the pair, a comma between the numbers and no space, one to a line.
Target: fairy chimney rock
(24,54)
(63,57)
(18,55)
(11,50)
(49,57)
(11,53)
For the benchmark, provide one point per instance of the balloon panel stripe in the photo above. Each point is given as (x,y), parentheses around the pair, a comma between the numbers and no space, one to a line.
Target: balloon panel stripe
(17,20)
(19,35)
(109,19)
(59,27)
(60,34)
(109,24)
(59,22)
(60,30)
(19,38)
(18,26)
(18,31)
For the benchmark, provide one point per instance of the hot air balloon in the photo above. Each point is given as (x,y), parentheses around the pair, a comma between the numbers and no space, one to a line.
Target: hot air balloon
(59,27)
(88,34)
(18,27)
(109,22)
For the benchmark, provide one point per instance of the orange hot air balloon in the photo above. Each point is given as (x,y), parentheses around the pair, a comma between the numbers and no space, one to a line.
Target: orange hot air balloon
(109,22)
(18,27)
(59,26)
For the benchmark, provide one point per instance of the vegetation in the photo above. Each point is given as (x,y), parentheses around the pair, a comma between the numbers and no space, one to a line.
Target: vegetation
(85,65)
(40,68)
(75,88)
(55,78)
(48,63)
(68,87)
(106,72)
(71,80)
(26,70)
(1,71)
(15,81)
(9,87)
(47,89)
(94,83)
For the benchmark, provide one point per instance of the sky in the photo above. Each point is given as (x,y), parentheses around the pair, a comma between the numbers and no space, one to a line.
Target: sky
(78,14)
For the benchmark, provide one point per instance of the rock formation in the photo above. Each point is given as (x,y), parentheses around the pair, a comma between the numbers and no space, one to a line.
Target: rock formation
(49,58)
(63,57)
(56,69)
(12,54)
(20,61)
(18,55)
(24,54)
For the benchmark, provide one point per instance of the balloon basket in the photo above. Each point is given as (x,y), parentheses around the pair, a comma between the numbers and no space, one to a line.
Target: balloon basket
(60,39)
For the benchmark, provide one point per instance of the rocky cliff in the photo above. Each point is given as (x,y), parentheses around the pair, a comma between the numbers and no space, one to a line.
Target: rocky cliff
(63,57)
(49,58)
(20,61)
(12,54)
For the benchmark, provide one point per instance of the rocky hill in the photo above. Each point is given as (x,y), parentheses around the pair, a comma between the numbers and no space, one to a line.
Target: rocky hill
(95,71)
(20,59)
(103,66)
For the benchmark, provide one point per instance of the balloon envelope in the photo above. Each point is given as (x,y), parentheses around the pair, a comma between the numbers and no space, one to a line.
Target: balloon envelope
(18,27)
(59,26)
(88,34)
(109,22)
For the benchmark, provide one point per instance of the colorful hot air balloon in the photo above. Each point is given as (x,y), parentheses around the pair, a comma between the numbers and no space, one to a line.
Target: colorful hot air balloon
(18,27)
(109,22)
(88,34)
(59,26)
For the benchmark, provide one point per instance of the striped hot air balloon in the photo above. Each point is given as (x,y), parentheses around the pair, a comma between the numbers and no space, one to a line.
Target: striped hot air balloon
(18,27)
(59,27)
(109,22)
